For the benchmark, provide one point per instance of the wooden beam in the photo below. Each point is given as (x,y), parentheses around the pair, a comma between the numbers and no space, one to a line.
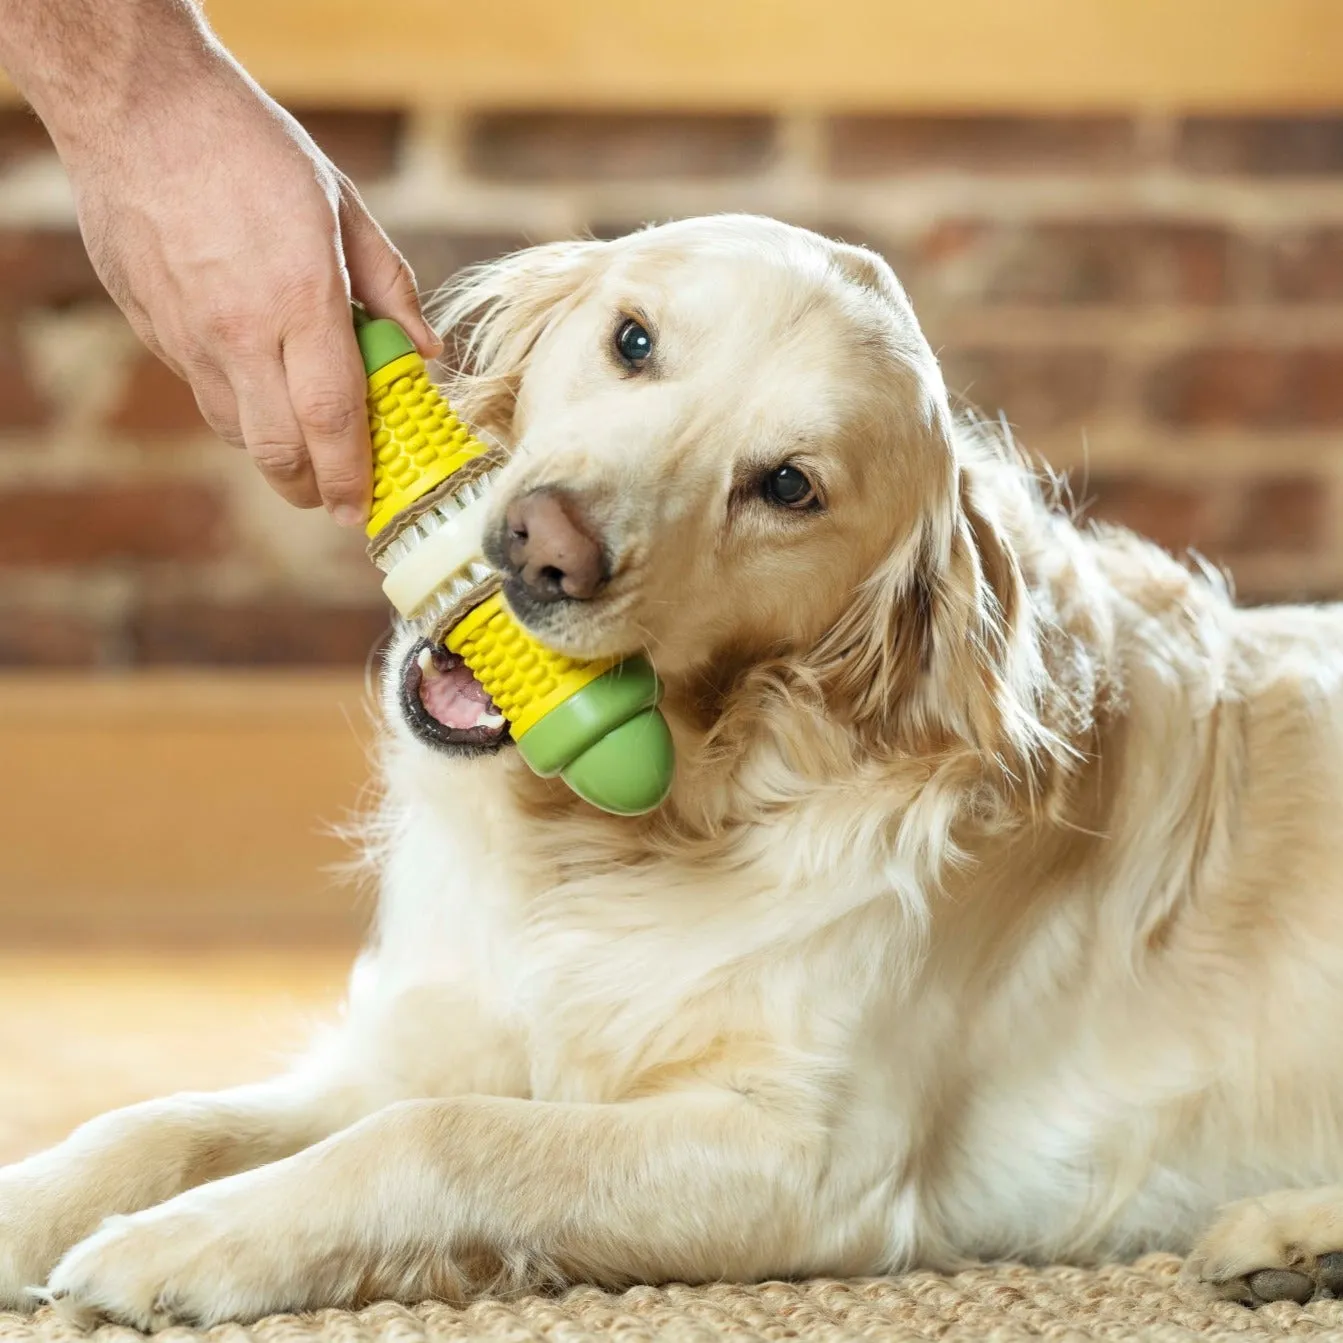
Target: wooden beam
(846,55)
(179,807)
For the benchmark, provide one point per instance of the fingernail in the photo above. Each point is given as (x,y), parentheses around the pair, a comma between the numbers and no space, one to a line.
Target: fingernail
(349,515)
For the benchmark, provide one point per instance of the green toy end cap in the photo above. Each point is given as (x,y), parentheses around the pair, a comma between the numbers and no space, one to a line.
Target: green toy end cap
(608,741)
(577,723)
(380,341)
(628,771)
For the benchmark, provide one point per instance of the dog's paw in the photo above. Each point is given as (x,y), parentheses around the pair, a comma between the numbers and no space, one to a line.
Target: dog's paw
(173,1264)
(30,1240)
(136,1270)
(1285,1246)
(19,1276)
(20,1269)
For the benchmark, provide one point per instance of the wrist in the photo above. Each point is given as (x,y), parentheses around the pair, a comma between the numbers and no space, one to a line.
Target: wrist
(93,103)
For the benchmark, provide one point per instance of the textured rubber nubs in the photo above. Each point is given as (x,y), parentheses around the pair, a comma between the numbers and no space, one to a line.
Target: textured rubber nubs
(418,442)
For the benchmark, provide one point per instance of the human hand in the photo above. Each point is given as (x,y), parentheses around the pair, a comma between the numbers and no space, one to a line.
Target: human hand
(233,246)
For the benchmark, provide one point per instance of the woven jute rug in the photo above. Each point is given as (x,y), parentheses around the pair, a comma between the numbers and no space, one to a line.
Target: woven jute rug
(1143,1301)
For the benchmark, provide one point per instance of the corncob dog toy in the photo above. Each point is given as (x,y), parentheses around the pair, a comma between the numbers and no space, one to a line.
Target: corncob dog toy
(596,724)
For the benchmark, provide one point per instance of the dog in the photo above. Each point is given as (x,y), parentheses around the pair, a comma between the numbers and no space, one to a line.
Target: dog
(996,911)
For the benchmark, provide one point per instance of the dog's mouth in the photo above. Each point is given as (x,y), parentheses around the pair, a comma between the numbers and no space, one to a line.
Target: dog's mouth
(445,706)
(442,702)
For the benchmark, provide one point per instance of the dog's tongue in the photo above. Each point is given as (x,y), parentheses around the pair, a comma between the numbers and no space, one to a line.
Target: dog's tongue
(455,698)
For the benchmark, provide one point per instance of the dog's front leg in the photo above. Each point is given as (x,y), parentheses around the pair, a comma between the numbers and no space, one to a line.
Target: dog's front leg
(444,1198)
(131,1159)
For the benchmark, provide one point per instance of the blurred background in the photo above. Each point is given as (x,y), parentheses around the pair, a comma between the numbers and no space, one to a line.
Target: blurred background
(1121,222)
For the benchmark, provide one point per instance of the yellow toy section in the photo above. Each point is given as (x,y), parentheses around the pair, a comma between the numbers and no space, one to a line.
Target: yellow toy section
(524,678)
(418,441)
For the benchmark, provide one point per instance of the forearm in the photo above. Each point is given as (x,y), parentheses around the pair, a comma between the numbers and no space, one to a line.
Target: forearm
(446,1198)
(694,1188)
(86,66)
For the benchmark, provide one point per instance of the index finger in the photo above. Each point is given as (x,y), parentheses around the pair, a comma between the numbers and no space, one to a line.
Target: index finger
(328,391)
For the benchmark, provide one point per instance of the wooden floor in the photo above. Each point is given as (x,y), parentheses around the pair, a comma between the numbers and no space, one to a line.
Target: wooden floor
(170,918)
(81,1033)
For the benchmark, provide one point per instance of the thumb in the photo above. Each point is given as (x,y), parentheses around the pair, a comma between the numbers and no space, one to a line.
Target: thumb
(380,278)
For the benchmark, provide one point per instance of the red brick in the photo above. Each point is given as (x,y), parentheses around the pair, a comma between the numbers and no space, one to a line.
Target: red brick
(1225,520)
(949,240)
(155,403)
(37,638)
(363,144)
(888,245)
(1257,388)
(545,146)
(281,632)
(893,247)
(20,405)
(1175,516)
(1279,515)
(1273,591)
(96,524)
(45,268)
(1269,145)
(870,146)
(435,255)
(1035,389)
(605,228)
(1320,386)
(1305,265)
(22,135)
(1112,261)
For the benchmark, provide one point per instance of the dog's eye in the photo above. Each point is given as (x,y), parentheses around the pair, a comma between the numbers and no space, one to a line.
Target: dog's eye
(790,488)
(633,343)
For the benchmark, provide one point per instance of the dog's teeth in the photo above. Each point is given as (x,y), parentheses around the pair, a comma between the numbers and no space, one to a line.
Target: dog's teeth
(426,660)
(492,720)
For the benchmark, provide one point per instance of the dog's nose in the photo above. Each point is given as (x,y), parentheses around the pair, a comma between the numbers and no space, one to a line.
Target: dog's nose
(551,548)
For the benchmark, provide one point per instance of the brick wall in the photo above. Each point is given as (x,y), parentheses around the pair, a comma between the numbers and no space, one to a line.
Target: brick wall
(1156,305)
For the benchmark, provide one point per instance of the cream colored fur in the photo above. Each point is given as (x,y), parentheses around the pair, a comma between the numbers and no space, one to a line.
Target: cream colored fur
(997,911)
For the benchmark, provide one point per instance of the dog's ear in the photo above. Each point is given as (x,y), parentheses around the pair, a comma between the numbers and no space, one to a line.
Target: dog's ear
(491,317)
(937,652)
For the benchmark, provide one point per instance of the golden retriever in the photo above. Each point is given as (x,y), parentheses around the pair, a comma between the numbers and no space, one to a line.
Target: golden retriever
(997,910)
